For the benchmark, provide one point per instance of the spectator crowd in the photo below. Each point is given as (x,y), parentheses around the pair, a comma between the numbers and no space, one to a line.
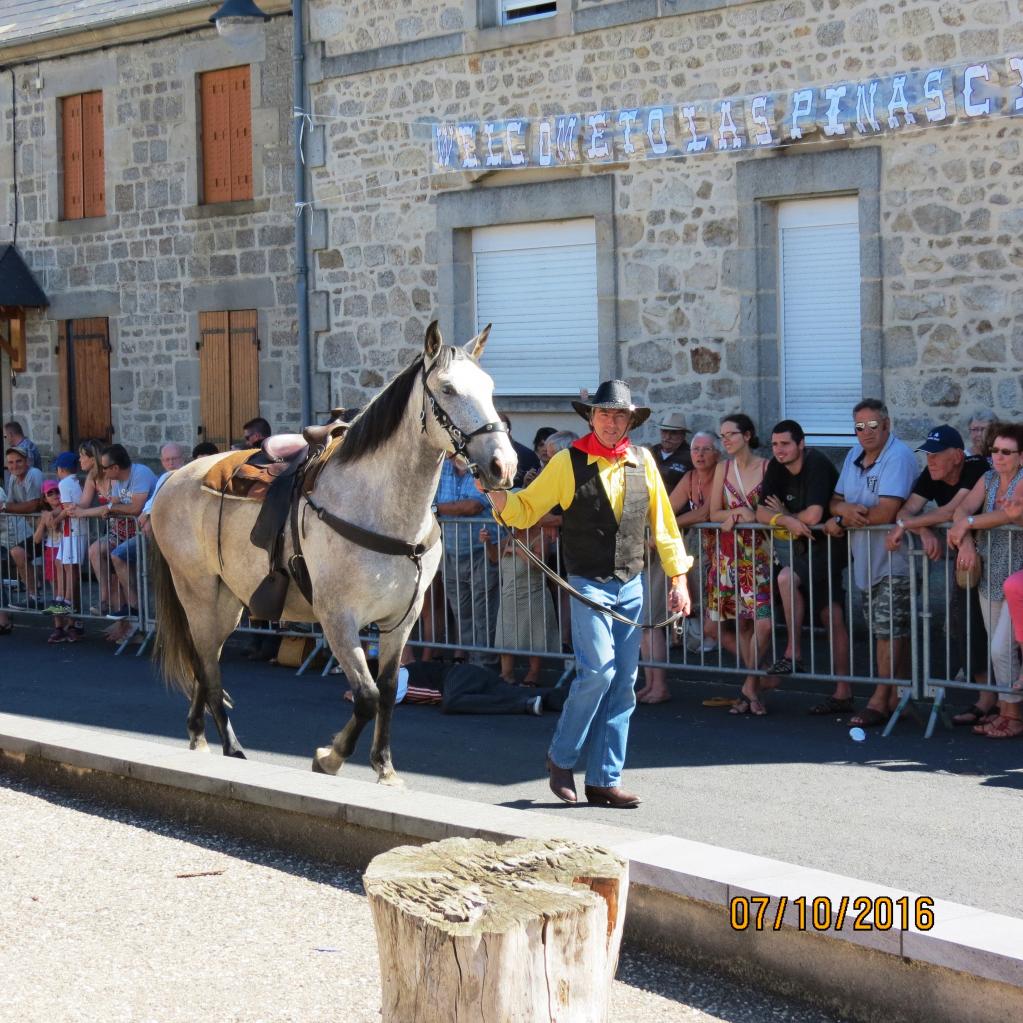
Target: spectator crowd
(799,541)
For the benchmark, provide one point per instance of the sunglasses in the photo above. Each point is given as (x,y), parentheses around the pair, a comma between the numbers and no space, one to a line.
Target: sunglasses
(107,466)
(873,424)
(1004,451)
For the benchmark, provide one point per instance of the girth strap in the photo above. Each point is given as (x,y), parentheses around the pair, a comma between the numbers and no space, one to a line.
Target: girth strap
(374,541)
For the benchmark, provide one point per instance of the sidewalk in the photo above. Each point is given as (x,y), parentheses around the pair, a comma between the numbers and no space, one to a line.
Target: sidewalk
(123,917)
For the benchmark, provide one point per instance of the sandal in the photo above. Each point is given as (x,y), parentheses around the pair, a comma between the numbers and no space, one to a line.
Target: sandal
(785,666)
(869,717)
(832,705)
(976,715)
(1002,727)
(749,705)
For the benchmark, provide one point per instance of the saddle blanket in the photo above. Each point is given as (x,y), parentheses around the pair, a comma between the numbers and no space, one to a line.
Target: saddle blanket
(232,476)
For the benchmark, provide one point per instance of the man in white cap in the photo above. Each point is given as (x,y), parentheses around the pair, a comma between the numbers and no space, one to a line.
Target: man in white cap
(610,492)
(672,454)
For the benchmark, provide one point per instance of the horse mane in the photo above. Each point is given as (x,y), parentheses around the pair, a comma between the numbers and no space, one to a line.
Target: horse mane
(379,420)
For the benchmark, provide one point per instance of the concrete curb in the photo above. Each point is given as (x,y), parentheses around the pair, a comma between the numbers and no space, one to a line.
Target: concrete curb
(968,967)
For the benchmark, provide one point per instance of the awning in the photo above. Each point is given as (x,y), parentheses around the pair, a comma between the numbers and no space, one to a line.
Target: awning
(18,288)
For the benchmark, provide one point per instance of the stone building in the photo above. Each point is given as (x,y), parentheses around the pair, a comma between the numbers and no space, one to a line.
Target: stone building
(783,279)
(167,263)
(763,206)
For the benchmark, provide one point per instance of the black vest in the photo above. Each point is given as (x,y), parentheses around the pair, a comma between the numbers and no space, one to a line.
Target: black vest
(595,544)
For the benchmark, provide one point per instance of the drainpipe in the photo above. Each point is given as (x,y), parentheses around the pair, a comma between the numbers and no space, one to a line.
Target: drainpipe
(301,265)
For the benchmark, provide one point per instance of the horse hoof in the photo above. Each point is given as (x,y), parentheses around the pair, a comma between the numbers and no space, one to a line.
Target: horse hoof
(237,754)
(199,745)
(392,780)
(321,761)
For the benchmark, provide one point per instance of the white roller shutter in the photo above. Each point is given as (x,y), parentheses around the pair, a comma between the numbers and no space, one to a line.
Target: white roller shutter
(819,315)
(537,284)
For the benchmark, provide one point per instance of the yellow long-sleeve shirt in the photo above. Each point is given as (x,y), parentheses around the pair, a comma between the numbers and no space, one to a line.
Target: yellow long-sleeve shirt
(556,485)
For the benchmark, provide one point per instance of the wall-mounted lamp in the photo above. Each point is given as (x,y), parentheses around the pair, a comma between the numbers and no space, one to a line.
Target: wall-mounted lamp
(238,22)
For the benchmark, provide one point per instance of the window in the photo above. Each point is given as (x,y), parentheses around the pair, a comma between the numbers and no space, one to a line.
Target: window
(515,11)
(83,357)
(228,374)
(226,135)
(82,130)
(537,284)
(819,314)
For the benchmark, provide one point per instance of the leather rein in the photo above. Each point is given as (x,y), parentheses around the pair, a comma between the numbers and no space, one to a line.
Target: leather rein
(569,588)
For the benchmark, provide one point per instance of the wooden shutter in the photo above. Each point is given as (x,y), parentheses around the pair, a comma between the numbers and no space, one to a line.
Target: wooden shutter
(214,379)
(241,134)
(71,127)
(244,374)
(819,321)
(85,380)
(228,374)
(92,154)
(216,143)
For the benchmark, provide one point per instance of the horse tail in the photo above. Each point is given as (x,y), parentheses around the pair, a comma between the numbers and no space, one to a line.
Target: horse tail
(174,648)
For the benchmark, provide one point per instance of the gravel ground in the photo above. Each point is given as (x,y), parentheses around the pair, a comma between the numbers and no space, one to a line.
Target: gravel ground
(116,916)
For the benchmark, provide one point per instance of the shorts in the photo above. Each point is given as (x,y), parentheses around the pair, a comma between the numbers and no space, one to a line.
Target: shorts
(127,551)
(71,550)
(886,609)
(820,589)
(49,564)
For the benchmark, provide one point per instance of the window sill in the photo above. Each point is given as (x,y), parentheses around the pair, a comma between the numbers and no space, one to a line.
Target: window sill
(237,208)
(82,225)
(499,36)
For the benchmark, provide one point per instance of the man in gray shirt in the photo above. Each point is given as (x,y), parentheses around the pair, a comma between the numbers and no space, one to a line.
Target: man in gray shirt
(24,488)
(876,479)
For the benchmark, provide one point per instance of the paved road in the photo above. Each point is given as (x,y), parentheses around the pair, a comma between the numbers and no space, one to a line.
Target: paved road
(175,924)
(940,816)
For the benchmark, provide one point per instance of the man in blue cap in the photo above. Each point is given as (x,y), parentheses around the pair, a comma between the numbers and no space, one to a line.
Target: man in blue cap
(948,478)
(610,491)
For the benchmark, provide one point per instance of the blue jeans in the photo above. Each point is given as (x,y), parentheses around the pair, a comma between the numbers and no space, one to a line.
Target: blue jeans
(603,696)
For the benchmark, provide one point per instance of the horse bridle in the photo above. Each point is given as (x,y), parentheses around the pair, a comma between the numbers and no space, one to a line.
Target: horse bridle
(459,438)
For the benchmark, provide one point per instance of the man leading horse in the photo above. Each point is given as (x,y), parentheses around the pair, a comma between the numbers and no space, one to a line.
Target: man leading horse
(609,490)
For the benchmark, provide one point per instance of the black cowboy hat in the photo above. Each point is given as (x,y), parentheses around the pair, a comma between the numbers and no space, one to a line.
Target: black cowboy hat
(613,394)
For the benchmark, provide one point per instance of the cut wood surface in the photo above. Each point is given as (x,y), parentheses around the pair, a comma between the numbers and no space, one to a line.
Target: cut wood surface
(471,931)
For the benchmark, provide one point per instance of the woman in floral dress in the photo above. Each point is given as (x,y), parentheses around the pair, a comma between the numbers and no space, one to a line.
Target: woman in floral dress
(739,576)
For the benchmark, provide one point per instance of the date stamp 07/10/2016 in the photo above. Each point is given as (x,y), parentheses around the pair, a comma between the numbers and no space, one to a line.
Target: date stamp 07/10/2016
(821,913)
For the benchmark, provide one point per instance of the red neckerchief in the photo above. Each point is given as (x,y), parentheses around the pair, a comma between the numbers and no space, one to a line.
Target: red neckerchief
(592,446)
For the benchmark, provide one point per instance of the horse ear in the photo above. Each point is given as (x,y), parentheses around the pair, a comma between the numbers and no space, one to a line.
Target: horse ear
(434,341)
(475,346)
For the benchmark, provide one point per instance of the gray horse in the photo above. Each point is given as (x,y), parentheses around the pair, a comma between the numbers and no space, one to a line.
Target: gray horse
(382,478)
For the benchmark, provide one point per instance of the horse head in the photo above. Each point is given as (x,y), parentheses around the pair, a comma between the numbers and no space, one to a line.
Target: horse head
(461,397)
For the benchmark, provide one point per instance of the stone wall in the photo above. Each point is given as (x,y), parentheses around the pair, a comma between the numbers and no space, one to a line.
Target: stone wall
(158,258)
(950,306)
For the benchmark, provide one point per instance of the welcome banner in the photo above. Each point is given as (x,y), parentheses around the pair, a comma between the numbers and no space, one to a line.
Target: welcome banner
(904,101)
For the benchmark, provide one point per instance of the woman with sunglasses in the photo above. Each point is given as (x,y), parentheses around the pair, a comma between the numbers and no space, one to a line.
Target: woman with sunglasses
(987,506)
(95,499)
(739,578)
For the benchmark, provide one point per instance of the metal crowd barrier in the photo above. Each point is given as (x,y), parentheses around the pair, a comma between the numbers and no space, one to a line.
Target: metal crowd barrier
(487,601)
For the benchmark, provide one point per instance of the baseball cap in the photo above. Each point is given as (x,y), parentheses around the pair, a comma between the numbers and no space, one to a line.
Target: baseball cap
(66,460)
(49,485)
(941,438)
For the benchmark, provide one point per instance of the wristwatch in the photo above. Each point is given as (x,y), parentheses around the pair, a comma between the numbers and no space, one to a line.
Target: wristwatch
(969,520)
(901,523)
(838,520)
(433,508)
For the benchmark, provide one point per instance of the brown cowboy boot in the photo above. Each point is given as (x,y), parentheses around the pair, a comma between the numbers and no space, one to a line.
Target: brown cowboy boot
(597,795)
(562,782)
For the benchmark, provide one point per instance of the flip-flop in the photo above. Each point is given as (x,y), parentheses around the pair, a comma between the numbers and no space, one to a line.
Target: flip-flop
(1003,727)
(974,716)
(869,718)
(718,701)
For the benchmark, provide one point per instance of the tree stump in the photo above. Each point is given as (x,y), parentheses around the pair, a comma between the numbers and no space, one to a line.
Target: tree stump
(472,931)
